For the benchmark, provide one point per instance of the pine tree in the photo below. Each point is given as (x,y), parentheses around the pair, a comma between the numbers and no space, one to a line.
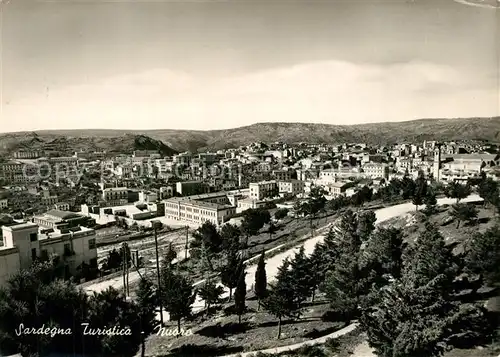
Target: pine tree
(240,295)
(345,284)
(282,300)
(416,315)
(211,293)
(261,280)
(302,276)
(430,202)
(177,295)
(457,190)
(147,299)
(483,254)
(420,190)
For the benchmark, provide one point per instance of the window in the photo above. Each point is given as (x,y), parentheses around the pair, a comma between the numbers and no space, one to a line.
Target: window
(33,254)
(33,237)
(92,243)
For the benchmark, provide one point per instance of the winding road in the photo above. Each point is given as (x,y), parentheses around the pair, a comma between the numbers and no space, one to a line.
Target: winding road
(273,263)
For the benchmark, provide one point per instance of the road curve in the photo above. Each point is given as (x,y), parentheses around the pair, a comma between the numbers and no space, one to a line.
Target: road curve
(273,263)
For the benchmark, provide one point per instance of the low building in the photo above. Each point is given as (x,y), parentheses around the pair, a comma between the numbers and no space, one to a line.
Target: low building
(56,219)
(335,189)
(249,203)
(23,244)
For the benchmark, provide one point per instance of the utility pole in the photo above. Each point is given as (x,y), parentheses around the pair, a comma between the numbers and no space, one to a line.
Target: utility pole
(127,267)
(124,259)
(155,227)
(187,244)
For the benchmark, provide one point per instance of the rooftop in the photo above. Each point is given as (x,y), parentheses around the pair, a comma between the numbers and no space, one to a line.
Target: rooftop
(20,226)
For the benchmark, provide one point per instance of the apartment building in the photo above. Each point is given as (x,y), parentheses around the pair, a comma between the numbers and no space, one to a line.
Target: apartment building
(374,171)
(23,244)
(282,175)
(115,196)
(291,187)
(198,212)
(263,189)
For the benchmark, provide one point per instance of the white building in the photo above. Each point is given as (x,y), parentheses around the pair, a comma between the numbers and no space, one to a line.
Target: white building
(263,189)
(116,195)
(23,244)
(291,187)
(198,212)
(374,171)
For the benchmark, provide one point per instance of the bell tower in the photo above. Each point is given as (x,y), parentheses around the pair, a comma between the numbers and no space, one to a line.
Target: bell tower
(436,169)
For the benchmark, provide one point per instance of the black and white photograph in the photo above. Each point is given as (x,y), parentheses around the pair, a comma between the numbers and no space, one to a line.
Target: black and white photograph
(250,178)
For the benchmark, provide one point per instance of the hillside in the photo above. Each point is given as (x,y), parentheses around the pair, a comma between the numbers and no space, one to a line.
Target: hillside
(126,143)
(169,141)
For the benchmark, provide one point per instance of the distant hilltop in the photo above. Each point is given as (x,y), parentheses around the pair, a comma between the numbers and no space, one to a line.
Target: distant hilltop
(168,142)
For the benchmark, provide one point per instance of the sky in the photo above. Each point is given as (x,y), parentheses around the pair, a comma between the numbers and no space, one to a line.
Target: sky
(206,64)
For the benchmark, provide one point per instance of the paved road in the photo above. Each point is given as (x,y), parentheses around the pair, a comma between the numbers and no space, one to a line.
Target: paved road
(273,263)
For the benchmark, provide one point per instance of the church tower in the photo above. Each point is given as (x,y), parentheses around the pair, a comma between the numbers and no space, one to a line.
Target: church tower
(436,169)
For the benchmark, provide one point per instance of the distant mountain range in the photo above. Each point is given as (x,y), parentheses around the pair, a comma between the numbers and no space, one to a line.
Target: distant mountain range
(169,142)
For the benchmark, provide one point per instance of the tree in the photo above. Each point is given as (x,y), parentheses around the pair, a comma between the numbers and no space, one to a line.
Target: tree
(314,204)
(272,229)
(26,299)
(407,187)
(384,253)
(488,191)
(171,254)
(420,190)
(366,224)
(208,239)
(320,264)
(281,213)
(231,272)
(230,235)
(211,293)
(483,254)
(110,308)
(301,274)
(457,191)
(253,221)
(345,284)
(415,315)
(147,299)
(281,300)
(261,280)
(430,202)
(240,295)
(464,212)
(177,295)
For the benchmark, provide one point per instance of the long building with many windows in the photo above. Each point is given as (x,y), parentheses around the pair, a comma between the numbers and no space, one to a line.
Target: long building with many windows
(198,212)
